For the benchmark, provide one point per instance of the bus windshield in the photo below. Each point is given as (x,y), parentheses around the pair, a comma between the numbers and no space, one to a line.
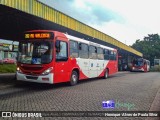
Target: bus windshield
(138,62)
(35,52)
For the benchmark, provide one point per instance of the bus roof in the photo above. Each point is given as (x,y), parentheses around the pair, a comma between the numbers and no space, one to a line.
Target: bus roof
(87,42)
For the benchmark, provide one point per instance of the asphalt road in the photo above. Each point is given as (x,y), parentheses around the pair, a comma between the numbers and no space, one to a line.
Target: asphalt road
(140,91)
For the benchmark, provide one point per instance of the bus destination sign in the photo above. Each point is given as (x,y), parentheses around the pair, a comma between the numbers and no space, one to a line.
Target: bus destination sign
(37,35)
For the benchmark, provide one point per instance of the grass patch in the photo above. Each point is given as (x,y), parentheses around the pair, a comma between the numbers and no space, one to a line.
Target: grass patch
(7,68)
(155,69)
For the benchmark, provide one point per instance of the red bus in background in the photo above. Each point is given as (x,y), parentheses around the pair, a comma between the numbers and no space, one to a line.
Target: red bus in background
(53,57)
(140,64)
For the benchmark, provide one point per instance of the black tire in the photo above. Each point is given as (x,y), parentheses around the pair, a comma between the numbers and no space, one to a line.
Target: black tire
(106,74)
(74,78)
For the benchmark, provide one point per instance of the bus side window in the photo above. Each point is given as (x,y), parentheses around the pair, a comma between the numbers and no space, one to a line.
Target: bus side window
(73,49)
(106,54)
(92,52)
(62,54)
(83,50)
(100,53)
(112,55)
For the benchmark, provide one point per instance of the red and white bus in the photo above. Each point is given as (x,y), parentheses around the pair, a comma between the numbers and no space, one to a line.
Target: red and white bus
(140,64)
(52,57)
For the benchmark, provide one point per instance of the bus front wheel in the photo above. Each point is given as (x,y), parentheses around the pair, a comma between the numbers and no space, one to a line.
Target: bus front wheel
(74,78)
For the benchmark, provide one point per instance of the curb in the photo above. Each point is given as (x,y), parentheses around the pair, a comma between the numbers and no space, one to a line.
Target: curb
(1,74)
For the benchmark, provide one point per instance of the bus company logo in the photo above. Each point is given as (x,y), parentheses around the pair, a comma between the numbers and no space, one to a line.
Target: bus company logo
(117,104)
(108,104)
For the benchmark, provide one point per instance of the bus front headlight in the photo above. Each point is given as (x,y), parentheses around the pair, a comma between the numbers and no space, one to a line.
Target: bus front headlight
(46,72)
(19,70)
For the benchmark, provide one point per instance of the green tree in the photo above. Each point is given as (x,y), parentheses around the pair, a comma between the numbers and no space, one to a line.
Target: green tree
(149,46)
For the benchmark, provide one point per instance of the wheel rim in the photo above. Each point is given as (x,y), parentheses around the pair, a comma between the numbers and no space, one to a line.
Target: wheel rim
(74,78)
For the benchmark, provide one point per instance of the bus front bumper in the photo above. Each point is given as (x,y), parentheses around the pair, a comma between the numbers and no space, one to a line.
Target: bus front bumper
(39,79)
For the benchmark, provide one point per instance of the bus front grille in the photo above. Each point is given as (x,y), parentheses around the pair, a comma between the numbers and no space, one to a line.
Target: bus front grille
(32,77)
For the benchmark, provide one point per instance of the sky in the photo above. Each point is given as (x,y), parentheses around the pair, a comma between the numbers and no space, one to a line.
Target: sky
(124,20)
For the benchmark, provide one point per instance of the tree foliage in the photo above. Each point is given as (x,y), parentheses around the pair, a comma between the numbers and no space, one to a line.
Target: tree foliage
(149,46)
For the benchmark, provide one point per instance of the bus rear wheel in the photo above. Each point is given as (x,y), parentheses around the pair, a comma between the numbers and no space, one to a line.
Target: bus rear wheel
(74,78)
(106,74)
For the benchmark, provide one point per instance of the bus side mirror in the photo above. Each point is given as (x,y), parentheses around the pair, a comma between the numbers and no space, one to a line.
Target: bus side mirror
(57,45)
(95,50)
(11,47)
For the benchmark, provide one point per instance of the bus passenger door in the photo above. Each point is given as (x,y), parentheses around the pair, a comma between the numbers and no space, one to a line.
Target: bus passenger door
(100,62)
(113,62)
(61,69)
(83,61)
(93,65)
